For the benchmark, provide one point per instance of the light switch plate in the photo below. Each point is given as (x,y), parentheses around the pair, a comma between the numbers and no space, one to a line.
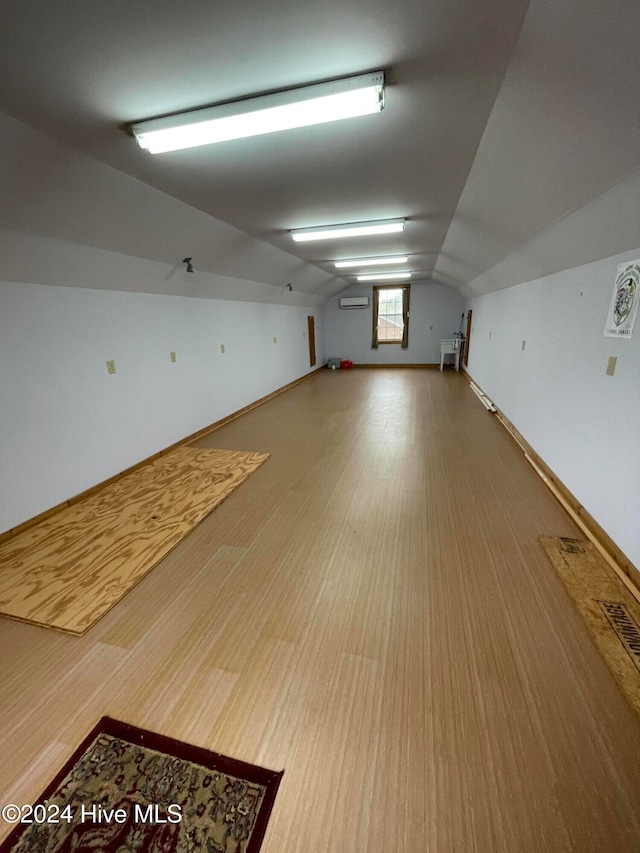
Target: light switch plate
(222,349)
(173,356)
(275,340)
(611,365)
(111,366)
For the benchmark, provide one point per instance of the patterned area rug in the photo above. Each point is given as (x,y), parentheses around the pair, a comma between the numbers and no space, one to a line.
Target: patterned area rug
(127,790)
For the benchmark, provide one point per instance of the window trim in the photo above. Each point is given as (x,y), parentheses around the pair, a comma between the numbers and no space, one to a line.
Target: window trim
(406,297)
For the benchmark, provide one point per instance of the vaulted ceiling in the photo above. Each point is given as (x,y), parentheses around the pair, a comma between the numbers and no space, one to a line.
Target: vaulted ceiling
(501,117)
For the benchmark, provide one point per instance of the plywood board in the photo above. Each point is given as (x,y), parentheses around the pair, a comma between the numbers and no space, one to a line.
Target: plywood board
(70,569)
(609,611)
(379,619)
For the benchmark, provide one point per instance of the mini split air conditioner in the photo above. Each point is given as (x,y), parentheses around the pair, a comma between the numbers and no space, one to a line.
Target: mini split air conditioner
(354,302)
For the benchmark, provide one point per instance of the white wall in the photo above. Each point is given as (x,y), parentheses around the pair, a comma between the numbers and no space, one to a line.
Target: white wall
(66,424)
(52,191)
(435,312)
(33,259)
(605,226)
(583,423)
(91,269)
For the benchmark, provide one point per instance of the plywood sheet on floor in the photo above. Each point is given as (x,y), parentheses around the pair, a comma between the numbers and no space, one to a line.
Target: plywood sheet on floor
(608,609)
(372,612)
(70,569)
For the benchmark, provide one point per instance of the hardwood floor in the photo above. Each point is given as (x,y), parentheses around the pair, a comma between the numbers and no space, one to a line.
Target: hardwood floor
(372,612)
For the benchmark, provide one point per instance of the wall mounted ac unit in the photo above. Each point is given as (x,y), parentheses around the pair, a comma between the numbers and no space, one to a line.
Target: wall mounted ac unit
(354,302)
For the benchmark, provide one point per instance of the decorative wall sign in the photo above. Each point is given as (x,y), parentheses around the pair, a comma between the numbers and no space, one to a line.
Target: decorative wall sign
(624,301)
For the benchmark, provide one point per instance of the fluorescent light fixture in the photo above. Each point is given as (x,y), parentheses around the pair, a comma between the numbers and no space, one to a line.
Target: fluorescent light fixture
(387,276)
(316,104)
(353,229)
(372,262)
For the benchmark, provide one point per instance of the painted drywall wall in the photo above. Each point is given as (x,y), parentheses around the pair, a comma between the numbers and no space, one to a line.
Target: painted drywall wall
(67,424)
(606,225)
(435,313)
(42,260)
(52,191)
(583,423)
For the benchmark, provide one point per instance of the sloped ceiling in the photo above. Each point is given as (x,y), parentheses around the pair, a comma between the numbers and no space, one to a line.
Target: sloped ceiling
(564,129)
(499,119)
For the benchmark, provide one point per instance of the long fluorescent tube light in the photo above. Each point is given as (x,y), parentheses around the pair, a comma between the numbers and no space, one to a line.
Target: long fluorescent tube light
(387,276)
(372,262)
(353,229)
(316,104)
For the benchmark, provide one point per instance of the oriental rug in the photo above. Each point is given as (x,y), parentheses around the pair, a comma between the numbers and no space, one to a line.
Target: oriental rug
(127,789)
(609,611)
(68,570)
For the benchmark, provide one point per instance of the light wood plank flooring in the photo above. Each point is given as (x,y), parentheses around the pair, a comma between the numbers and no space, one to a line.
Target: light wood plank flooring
(372,612)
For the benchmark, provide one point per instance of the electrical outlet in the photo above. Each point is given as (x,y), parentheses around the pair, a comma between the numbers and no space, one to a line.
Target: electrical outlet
(222,349)
(173,356)
(524,343)
(611,365)
(111,366)
(275,340)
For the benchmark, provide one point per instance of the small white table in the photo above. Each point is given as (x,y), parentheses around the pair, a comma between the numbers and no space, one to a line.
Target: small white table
(451,346)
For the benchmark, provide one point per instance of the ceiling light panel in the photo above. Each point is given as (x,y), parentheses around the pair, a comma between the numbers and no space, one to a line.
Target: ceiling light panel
(317,104)
(387,276)
(353,229)
(372,262)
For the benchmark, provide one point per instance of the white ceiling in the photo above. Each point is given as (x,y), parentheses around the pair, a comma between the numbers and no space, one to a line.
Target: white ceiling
(493,129)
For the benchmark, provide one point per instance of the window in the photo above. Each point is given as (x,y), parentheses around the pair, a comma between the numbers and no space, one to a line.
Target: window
(390,316)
